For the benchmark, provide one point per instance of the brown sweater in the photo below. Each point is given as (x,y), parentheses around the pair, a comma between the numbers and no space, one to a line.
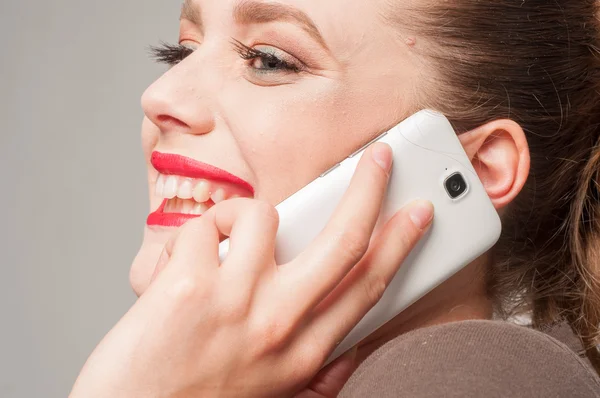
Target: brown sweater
(476,359)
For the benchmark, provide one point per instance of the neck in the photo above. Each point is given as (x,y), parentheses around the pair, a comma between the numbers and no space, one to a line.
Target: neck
(462,297)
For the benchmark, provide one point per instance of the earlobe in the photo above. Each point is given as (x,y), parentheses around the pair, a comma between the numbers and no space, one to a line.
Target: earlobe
(499,153)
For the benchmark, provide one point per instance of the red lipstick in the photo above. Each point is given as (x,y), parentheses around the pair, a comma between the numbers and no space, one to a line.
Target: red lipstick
(168,219)
(171,164)
(168,163)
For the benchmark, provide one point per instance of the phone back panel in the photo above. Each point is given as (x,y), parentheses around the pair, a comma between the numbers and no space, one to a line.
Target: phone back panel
(426,152)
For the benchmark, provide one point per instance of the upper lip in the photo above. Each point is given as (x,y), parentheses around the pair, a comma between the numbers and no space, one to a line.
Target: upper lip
(169,163)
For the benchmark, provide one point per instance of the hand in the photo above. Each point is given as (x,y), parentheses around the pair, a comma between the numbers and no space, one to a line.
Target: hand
(248,327)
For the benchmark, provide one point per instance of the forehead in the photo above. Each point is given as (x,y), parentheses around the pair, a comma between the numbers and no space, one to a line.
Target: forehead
(342,23)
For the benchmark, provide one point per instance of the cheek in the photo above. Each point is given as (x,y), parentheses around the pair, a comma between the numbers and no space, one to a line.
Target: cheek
(289,135)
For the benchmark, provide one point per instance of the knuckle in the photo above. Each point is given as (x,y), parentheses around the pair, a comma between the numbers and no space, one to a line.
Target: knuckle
(186,289)
(314,353)
(374,286)
(235,306)
(272,334)
(308,359)
(232,312)
(354,243)
(314,356)
(218,208)
(266,210)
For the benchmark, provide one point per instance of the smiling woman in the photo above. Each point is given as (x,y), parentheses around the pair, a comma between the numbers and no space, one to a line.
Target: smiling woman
(243,73)
(260,98)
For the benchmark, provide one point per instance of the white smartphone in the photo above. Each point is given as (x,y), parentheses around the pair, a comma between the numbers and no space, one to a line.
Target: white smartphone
(429,163)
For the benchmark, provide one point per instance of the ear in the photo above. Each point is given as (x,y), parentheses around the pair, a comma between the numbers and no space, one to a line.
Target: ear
(499,153)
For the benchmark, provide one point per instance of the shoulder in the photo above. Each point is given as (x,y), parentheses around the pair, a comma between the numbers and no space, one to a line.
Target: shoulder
(473,358)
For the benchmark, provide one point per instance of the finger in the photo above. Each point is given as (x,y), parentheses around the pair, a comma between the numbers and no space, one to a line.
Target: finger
(251,226)
(194,246)
(218,220)
(345,239)
(331,379)
(252,234)
(365,284)
(224,214)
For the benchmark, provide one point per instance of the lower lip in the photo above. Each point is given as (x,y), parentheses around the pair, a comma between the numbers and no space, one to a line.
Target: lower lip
(159,218)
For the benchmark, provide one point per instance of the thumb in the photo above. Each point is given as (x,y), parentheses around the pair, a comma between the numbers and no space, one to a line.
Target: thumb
(331,379)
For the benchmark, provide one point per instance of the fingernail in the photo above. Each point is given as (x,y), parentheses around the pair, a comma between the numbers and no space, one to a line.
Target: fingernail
(382,155)
(421,213)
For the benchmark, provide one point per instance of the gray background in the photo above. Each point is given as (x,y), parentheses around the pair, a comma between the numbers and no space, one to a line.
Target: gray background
(73,191)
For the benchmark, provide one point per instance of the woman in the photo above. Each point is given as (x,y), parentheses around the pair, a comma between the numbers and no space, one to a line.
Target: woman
(271,94)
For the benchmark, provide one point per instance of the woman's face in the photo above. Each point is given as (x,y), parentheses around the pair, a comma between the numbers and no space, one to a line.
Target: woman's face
(274,93)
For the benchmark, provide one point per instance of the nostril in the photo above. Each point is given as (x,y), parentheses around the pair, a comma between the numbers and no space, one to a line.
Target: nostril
(170,121)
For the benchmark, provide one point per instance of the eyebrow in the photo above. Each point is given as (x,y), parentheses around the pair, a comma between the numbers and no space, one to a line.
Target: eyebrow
(192,13)
(254,12)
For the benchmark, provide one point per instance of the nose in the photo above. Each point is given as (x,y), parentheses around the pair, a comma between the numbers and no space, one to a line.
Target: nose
(178,102)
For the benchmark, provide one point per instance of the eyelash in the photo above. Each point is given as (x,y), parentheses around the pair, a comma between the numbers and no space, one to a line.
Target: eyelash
(172,54)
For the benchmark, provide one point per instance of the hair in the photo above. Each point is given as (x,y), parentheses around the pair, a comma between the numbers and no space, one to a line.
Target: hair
(536,62)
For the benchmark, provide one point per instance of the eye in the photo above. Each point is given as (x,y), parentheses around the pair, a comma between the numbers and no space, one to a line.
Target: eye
(267,61)
(170,54)
(270,62)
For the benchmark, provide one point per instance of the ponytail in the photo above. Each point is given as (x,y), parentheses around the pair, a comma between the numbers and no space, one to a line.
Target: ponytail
(585,231)
(538,64)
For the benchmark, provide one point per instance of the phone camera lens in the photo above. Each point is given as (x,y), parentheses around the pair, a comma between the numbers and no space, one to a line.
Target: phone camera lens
(455,185)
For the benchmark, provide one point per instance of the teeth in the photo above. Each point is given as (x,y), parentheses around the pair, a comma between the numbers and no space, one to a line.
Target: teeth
(218,195)
(174,205)
(170,190)
(190,196)
(160,185)
(185,189)
(168,207)
(201,192)
(199,208)
(178,205)
(186,206)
